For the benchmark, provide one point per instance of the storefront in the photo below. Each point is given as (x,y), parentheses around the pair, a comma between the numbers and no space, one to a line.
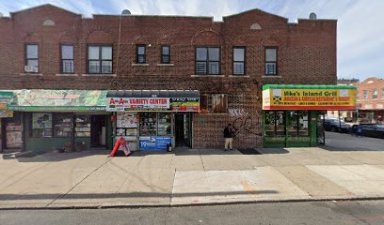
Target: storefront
(10,126)
(154,120)
(63,119)
(292,114)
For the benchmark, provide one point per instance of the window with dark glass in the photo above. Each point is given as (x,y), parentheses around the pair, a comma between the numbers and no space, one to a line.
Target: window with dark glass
(100,59)
(274,123)
(297,123)
(41,125)
(67,59)
(31,58)
(207,61)
(239,60)
(63,125)
(270,61)
(140,54)
(165,54)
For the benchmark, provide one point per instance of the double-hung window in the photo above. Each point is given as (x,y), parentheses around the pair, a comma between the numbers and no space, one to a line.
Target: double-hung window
(67,59)
(141,54)
(31,58)
(239,60)
(207,61)
(100,59)
(165,54)
(375,93)
(270,61)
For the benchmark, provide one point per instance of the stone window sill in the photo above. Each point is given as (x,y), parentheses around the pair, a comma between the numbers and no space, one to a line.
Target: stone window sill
(239,76)
(99,75)
(67,75)
(139,64)
(271,76)
(31,74)
(165,64)
(213,76)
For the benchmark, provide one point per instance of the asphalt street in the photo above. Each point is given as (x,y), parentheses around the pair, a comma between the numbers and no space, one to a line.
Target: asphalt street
(313,213)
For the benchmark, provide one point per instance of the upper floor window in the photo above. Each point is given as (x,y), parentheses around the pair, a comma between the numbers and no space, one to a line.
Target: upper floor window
(165,54)
(374,93)
(100,59)
(382,93)
(141,54)
(365,93)
(271,61)
(207,60)
(67,59)
(31,58)
(239,60)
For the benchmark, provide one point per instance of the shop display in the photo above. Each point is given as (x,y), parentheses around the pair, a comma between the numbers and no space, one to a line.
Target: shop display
(63,125)
(127,126)
(164,125)
(148,124)
(83,126)
(42,125)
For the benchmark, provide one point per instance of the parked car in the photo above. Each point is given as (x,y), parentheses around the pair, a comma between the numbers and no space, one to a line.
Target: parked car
(369,130)
(336,125)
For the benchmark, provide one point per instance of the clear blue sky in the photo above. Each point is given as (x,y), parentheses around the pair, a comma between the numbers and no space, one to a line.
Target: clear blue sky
(360,37)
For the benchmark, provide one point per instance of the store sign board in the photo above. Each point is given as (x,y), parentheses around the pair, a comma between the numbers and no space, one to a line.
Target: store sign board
(185,104)
(4,112)
(309,99)
(126,104)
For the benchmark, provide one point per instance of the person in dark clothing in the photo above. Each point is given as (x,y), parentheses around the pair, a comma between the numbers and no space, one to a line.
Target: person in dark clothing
(229,134)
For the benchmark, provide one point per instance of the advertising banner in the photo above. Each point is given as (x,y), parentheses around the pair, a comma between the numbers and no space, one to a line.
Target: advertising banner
(305,97)
(154,143)
(185,104)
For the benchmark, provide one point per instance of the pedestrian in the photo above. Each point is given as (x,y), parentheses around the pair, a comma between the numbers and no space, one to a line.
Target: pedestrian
(229,134)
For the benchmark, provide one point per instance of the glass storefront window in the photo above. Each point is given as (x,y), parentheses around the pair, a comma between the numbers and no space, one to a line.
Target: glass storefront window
(297,123)
(83,126)
(164,125)
(148,124)
(274,123)
(63,125)
(41,125)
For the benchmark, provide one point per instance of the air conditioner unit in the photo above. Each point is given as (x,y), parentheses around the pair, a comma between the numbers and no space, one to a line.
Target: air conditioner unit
(31,69)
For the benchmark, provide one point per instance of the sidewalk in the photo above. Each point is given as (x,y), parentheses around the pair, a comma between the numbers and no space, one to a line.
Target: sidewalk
(187,177)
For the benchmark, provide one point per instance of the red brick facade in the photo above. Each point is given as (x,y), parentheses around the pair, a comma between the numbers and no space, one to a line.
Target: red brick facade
(370,100)
(306,55)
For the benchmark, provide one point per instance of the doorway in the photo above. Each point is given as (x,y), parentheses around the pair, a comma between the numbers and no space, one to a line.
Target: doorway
(183,130)
(98,131)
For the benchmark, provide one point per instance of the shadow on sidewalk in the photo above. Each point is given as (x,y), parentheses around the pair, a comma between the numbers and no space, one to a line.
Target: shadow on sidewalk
(57,196)
(52,156)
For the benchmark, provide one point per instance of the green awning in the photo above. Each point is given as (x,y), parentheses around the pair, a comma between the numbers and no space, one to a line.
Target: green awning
(58,100)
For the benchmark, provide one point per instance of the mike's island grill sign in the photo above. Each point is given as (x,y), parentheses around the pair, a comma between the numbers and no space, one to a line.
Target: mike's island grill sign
(309,97)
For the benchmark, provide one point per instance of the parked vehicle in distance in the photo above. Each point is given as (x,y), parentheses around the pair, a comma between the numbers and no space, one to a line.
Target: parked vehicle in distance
(336,125)
(369,130)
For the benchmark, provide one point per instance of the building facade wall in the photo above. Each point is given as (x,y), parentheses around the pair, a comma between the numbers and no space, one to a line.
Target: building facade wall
(306,55)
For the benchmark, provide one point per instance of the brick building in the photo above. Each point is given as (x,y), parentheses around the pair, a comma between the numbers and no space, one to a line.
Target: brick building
(47,48)
(370,100)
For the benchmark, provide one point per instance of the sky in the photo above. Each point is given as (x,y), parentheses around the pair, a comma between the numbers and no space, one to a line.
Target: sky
(360,32)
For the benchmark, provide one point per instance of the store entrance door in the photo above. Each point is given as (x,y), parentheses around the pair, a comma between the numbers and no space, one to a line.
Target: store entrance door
(98,131)
(183,130)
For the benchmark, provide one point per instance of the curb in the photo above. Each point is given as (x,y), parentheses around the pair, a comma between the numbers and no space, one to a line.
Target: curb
(132,206)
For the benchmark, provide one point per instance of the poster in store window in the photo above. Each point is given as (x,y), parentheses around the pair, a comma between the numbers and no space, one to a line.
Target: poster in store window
(127,120)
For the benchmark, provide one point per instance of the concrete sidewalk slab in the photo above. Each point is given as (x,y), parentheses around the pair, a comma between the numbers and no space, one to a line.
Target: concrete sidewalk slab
(207,187)
(188,176)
